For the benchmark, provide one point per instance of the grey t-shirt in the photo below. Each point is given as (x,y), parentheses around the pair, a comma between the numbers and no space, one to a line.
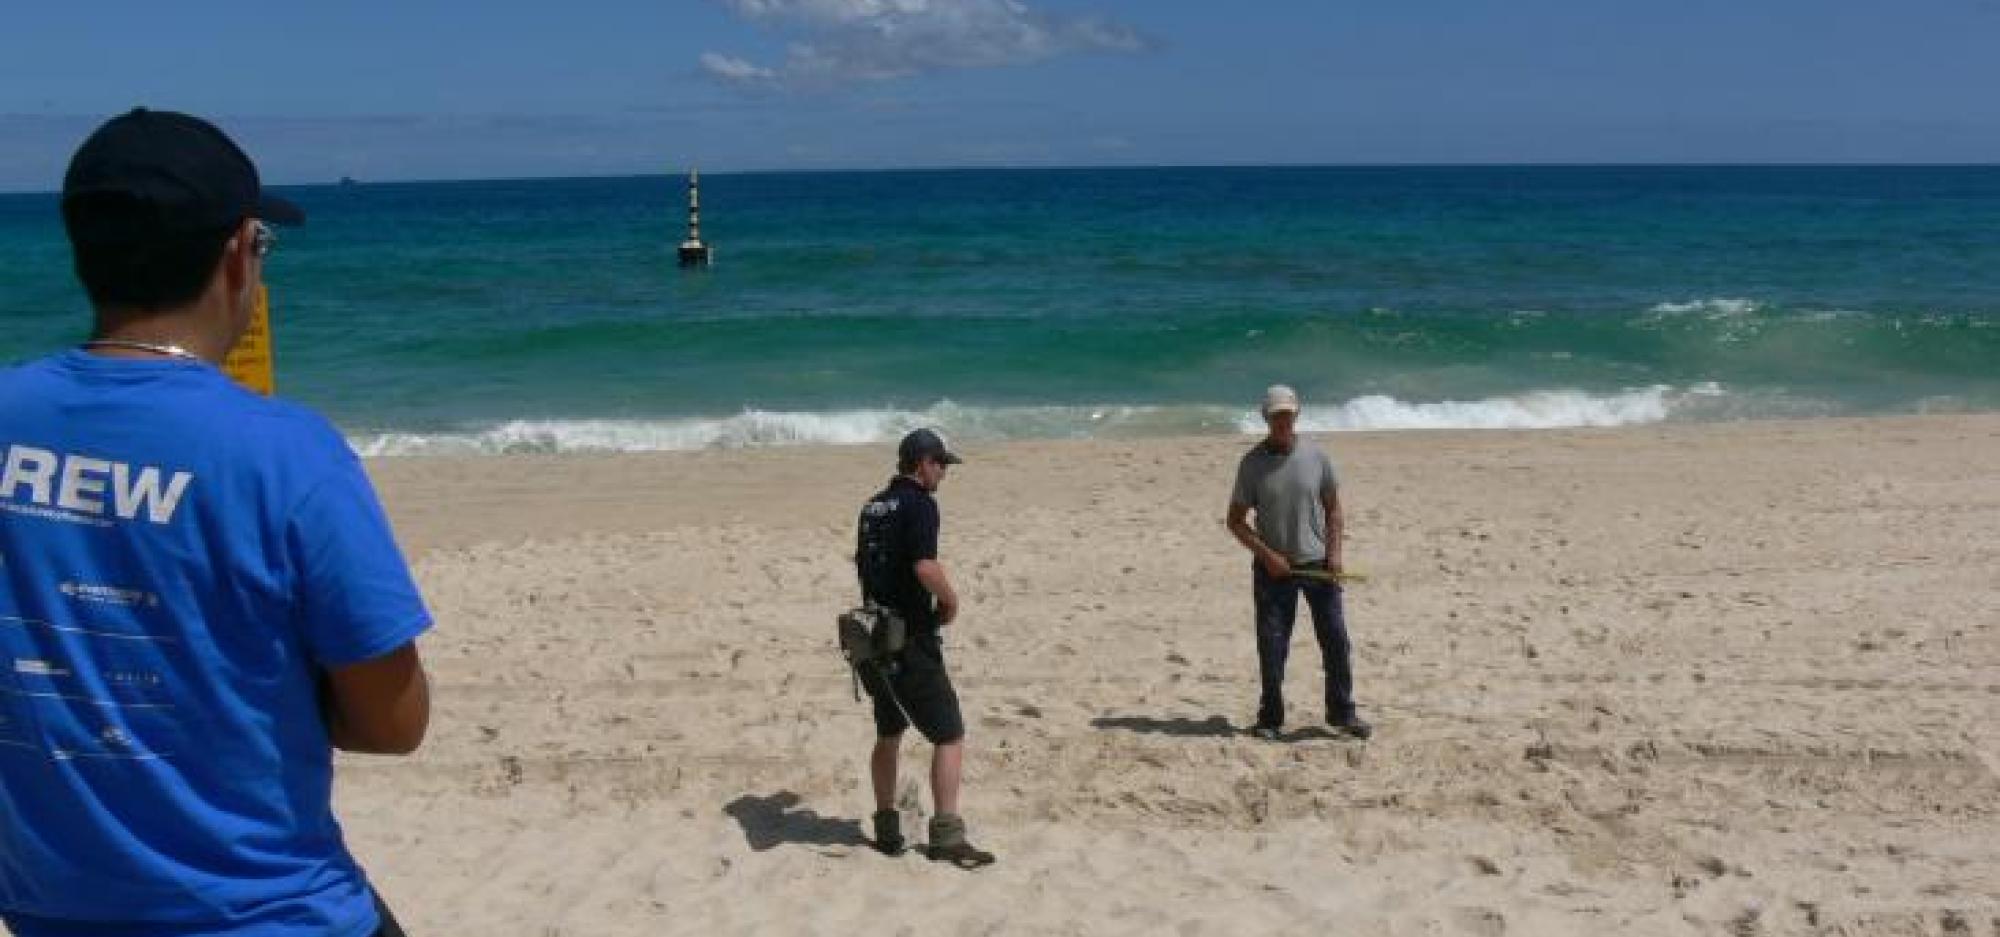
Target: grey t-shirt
(1284,490)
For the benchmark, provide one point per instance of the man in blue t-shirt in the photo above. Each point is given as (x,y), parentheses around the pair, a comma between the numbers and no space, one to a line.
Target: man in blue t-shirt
(199,594)
(896,558)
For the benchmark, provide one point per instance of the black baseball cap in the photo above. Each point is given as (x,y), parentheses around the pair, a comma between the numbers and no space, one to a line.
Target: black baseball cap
(925,443)
(150,174)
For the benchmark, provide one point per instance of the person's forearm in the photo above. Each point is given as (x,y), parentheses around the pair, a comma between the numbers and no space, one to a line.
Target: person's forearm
(1247,536)
(931,573)
(1336,537)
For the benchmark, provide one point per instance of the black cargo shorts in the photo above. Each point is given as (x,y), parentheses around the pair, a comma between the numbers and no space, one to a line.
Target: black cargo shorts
(916,692)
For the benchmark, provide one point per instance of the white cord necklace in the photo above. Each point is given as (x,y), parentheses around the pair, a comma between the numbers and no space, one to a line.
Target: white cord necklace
(171,351)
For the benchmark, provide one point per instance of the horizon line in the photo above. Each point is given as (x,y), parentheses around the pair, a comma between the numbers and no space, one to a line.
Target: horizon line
(1118,167)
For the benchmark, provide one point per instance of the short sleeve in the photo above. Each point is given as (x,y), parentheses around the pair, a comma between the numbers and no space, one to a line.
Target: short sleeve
(922,530)
(1244,492)
(356,599)
(1328,482)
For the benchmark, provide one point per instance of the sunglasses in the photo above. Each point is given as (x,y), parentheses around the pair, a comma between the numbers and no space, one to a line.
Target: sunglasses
(262,238)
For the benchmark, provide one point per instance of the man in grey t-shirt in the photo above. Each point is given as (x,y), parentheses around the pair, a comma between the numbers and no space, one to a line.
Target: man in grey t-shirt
(1289,483)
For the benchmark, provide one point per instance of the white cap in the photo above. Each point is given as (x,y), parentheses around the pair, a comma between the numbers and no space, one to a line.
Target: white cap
(1280,399)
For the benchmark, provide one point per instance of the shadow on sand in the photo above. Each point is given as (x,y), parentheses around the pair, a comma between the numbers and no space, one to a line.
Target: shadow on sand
(1213,726)
(772,821)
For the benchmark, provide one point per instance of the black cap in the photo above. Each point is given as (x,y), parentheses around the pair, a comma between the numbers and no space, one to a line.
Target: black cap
(925,443)
(150,174)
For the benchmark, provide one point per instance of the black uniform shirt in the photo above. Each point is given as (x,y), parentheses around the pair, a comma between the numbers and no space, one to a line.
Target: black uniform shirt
(898,529)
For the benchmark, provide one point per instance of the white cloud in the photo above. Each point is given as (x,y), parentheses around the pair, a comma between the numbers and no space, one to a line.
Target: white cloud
(836,42)
(732,69)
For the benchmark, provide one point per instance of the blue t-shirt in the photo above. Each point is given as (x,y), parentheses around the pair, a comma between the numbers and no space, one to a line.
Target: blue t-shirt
(180,562)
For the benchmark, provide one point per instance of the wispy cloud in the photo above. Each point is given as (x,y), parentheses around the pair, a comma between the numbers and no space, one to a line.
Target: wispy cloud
(840,42)
(732,69)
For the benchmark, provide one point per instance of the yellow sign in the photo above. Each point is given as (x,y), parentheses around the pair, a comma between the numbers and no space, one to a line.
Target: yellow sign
(249,360)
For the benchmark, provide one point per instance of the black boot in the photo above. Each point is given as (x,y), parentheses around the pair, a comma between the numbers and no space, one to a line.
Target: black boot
(889,832)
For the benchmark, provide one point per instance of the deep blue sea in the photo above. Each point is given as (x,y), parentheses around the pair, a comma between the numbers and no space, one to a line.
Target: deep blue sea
(549,315)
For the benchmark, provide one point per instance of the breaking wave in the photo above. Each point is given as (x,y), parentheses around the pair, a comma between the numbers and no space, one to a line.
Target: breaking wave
(1547,409)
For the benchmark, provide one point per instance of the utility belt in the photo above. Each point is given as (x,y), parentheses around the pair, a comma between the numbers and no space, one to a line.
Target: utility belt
(870,637)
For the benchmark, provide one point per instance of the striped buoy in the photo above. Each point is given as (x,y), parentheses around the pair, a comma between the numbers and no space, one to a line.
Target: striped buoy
(693,252)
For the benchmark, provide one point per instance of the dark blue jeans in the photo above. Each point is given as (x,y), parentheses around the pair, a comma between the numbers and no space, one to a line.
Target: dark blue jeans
(1277,609)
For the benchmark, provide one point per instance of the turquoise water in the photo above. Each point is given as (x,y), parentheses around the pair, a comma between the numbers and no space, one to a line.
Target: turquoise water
(845,307)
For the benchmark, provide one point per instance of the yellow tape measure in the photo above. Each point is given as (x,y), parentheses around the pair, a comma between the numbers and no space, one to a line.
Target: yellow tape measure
(1320,575)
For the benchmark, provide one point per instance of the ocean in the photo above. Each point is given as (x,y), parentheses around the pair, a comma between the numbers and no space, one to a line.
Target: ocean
(550,315)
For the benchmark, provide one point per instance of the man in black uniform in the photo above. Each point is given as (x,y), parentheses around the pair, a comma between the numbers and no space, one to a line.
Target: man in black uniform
(896,556)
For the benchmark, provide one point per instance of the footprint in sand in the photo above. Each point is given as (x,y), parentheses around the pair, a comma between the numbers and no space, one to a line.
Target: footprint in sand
(1484,922)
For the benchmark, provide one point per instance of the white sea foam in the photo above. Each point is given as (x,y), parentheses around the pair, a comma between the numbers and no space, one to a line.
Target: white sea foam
(748,429)
(1829,315)
(1549,409)
(1709,308)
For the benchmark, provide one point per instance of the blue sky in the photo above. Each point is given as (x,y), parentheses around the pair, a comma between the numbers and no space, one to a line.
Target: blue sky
(381,90)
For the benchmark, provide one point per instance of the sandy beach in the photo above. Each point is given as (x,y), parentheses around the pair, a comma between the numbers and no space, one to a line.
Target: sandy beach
(1737,678)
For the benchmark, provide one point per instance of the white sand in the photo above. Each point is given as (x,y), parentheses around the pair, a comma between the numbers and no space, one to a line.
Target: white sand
(1692,679)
